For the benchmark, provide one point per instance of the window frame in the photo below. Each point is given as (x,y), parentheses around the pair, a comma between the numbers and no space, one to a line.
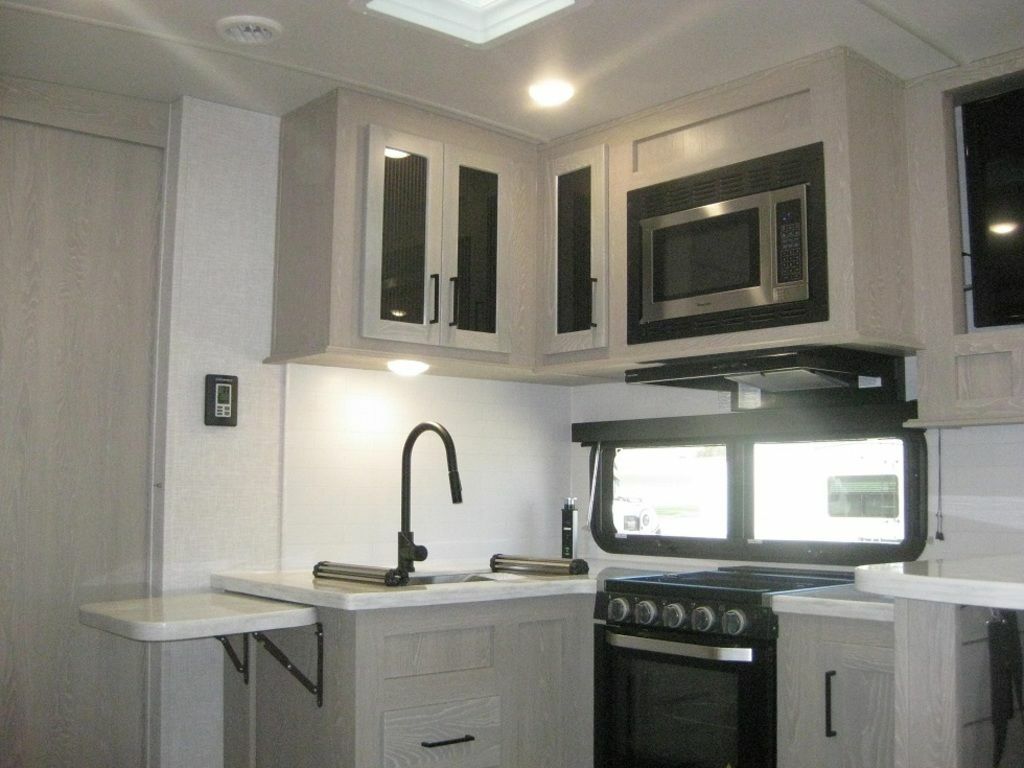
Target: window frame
(739,432)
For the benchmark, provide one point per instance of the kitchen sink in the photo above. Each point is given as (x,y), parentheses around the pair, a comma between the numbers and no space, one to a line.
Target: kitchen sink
(446,578)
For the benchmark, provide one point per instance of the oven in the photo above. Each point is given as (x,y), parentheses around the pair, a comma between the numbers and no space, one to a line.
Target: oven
(685,668)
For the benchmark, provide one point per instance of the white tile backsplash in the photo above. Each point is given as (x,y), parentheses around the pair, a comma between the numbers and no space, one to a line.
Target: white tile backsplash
(344,434)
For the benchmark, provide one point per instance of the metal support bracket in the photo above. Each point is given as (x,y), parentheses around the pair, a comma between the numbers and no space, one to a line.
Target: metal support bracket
(317,688)
(242,665)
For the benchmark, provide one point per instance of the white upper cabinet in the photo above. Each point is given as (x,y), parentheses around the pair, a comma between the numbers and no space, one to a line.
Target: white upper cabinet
(575,287)
(436,241)
(404,234)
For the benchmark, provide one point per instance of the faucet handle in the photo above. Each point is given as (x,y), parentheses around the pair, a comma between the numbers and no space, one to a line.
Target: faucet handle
(419,552)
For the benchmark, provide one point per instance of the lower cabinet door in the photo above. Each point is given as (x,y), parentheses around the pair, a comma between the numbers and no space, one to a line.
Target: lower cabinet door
(859,705)
(453,734)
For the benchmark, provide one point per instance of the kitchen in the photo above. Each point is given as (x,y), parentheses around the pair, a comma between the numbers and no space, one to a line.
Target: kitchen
(283,499)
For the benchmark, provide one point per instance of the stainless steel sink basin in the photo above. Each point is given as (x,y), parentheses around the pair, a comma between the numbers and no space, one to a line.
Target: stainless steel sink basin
(446,578)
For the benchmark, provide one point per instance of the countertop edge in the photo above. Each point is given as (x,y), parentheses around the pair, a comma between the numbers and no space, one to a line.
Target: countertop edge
(300,587)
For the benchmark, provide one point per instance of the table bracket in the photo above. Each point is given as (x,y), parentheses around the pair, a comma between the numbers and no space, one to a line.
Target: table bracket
(242,665)
(317,688)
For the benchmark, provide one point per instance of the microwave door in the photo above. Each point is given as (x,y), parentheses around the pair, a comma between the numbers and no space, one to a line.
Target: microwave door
(713,258)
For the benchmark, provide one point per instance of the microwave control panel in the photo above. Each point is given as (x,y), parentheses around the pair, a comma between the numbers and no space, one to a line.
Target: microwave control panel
(789,241)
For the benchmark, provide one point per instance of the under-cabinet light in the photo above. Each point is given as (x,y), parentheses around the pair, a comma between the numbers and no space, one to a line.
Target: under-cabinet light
(407,367)
(1003,227)
(395,154)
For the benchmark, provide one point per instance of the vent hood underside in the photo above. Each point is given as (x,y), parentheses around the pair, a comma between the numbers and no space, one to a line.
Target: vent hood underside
(785,375)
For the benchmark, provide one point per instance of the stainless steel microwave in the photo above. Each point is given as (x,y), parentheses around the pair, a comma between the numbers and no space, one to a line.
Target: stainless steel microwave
(734,249)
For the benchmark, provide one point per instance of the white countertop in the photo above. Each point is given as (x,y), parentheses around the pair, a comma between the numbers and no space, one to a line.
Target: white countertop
(186,617)
(996,581)
(842,602)
(300,587)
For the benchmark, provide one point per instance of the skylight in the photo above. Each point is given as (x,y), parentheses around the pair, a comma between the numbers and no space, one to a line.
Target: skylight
(476,21)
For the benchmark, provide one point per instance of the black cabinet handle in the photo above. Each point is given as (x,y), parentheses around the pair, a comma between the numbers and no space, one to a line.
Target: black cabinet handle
(447,742)
(593,287)
(829,733)
(455,301)
(436,280)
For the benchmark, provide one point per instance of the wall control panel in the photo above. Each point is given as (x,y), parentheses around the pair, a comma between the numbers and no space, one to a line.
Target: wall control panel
(221,400)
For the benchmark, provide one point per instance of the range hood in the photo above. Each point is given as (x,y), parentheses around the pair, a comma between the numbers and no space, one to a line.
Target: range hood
(804,373)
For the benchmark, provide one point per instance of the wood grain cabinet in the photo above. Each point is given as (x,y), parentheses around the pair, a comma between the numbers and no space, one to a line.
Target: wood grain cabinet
(403,233)
(436,243)
(478,685)
(836,697)
(574,294)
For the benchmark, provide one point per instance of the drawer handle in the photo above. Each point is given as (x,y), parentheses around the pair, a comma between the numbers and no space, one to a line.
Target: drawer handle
(447,742)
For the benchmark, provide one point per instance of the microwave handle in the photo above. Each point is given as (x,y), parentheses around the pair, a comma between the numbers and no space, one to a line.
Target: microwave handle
(686,650)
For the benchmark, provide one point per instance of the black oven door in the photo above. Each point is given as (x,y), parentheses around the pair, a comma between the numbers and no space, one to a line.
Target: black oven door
(663,701)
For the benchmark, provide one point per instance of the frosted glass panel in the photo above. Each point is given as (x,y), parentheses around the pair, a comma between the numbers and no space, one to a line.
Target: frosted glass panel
(403,254)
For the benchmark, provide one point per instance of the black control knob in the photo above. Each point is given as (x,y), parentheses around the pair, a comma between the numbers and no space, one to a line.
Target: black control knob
(673,616)
(646,612)
(734,621)
(618,609)
(704,618)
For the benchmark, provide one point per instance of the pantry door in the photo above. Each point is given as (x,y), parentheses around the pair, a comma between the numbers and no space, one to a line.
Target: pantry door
(79,234)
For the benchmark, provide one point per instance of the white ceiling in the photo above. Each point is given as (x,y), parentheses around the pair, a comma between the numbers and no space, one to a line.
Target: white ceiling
(623,55)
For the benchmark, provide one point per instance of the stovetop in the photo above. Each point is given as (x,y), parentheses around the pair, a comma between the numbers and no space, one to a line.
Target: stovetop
(732,601)
(744,584)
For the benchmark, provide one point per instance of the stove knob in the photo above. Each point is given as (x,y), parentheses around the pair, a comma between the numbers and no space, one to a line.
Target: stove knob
(618,609)
(703,618)
(734,621)
(673,616)
(646,612)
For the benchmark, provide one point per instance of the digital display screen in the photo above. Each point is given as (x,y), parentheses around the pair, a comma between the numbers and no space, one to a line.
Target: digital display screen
(224,394)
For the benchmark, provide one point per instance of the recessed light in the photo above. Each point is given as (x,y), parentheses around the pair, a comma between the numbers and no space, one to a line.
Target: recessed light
(248,30)
(552,92)
(1003,227)
(407,367)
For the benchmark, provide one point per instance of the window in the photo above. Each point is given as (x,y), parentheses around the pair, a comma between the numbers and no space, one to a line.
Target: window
(841,485)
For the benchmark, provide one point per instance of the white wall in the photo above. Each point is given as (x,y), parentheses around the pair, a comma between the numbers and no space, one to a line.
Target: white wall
(344,433)
(219,507)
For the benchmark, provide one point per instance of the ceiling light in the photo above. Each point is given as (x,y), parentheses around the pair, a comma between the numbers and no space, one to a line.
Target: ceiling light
(1003,227)
(395,154)
(407,367)
(551,93)
(248,30)
(475,21)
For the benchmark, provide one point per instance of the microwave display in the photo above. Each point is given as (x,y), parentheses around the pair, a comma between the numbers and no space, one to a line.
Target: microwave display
(703,261)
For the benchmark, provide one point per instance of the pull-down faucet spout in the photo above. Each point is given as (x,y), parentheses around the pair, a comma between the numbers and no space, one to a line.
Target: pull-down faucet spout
(408,550)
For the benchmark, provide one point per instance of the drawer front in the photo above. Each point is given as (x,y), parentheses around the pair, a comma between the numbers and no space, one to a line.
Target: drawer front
(455,734)
(428,653)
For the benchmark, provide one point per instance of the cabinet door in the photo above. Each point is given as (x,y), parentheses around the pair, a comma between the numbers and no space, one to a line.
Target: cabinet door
(402,254)
(476,223)
(858,682)
(578,289)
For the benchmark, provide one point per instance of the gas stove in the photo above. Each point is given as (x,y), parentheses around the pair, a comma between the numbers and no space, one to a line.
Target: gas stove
(729,602)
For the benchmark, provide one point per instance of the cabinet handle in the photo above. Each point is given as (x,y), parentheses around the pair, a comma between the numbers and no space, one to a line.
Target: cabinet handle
(829,733)
(447,742)
(593,296)
(436,280)
(455,300)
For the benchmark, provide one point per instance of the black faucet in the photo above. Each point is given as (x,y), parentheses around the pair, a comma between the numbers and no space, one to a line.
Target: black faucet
(408,550)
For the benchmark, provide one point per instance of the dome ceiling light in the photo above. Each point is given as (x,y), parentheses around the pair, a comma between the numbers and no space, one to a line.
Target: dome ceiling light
(475,21)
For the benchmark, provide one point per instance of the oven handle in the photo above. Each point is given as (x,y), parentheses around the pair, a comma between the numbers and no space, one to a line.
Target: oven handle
(687,650)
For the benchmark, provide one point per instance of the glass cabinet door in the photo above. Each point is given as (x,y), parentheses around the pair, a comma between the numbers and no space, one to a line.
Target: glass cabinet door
(476,231)
(402,269)
(579,268)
